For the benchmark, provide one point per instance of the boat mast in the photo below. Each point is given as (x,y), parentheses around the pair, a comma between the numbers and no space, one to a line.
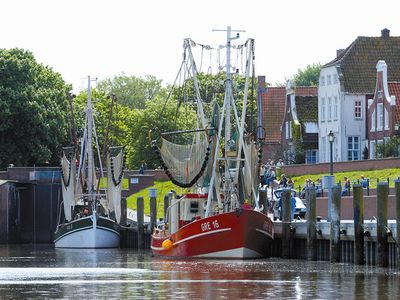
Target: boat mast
(228,99)
(89,116)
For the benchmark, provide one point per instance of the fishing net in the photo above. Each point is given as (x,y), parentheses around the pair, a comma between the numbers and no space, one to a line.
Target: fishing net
(185,163)
(115,171)
(68,175)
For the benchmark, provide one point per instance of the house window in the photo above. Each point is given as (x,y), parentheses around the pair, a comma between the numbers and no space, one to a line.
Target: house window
(329,118)
(386,120)
(335,78)
(379,109)
(288,130)
(328,80)
(372,150)
(322,109)
(322,80)
(311,156)
(373,121)
(335,109)
(353,148)
(357,109)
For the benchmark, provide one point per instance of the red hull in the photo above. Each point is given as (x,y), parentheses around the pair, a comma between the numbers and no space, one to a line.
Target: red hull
(238,234)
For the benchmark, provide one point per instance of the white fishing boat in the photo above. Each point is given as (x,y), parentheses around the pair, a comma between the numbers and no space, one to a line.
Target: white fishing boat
(89,217)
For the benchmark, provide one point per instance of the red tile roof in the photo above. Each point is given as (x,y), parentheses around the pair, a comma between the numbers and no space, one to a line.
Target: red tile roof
(394,90)
(273,108)
(357,63)
(306,91)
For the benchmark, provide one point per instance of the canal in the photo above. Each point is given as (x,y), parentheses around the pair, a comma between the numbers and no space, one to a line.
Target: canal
(28,271)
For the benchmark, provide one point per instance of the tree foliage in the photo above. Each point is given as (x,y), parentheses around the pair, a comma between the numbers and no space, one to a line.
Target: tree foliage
(390,148)
(32,110)
(309,76)
(132,91)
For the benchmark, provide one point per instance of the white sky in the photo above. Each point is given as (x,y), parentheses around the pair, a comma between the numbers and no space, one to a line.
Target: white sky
(138,37)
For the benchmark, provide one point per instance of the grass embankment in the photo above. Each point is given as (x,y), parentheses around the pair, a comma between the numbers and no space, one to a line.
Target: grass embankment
(163,187)
(353,176)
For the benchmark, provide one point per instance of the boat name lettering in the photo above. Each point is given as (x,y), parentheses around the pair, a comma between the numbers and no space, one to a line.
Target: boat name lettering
(209,225)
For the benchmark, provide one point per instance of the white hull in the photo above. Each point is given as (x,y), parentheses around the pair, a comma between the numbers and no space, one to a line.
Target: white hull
(92,236)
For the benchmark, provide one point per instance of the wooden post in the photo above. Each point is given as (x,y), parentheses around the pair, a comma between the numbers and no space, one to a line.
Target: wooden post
(397,188)
(140,222)
(263,200)
(358,209)
(335,224)
(286,222)
(167,201)
(311,224)
(381,224)
(153,213)
(123,212)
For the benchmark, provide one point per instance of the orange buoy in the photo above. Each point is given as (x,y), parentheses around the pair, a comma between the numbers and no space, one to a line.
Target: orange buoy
(167,244)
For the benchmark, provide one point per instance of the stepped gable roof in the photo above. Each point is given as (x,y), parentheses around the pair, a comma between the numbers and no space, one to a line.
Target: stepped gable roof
(273,106)
(357,63)
(394,90)
(307,108)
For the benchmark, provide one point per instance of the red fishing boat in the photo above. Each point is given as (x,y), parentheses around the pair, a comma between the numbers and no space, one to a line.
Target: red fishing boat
(221,216)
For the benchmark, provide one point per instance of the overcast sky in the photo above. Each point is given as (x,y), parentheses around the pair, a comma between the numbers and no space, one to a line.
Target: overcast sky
(143,37)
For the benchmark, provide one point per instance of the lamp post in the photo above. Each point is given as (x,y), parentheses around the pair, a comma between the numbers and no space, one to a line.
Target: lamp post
(331,138)
(329,180)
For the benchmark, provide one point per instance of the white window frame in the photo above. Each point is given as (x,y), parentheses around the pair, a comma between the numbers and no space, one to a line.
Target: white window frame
(329,117)
(310,153)
(379,111)
(358,109)
(328,80)
(353,151)
(322,109)
(335,109)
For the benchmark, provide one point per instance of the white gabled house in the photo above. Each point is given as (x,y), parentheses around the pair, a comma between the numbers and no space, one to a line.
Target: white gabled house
(345,85)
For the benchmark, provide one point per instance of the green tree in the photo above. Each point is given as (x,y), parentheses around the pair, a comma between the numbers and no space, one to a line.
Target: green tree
(133,91)
(390,148)
(309,76)
(32,110)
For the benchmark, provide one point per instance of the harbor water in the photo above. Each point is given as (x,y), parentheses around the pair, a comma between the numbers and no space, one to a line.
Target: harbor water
(42,272)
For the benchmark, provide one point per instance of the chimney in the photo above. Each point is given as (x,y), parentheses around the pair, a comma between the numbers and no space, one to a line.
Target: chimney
(338,52)
(385,33)
(261,82)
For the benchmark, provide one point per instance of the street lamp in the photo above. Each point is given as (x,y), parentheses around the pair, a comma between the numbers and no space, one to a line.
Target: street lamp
(331,138)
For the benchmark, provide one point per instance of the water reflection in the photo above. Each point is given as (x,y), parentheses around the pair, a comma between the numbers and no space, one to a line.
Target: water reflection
(45,272)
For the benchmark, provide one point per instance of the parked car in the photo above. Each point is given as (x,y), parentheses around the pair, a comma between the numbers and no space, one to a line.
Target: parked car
(300,208)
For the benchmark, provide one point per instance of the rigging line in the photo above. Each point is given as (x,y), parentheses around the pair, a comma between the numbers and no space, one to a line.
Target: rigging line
(201,59)
(172,89)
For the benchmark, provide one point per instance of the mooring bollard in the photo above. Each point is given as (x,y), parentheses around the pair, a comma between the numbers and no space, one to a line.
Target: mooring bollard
(311,223)
(123,219)
(140,222)
(167,201)
(381,224)
(397,188)
(335,224)
(153,209)
(262,194)
(358,208)
(286,223)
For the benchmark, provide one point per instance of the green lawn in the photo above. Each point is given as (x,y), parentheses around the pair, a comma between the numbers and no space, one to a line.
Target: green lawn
(163,187)
(353,176)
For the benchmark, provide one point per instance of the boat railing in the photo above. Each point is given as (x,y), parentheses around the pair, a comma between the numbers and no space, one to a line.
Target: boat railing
(173,204)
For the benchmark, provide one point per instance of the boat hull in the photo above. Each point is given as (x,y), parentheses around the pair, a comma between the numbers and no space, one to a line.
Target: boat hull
(84,233)
(238,234)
